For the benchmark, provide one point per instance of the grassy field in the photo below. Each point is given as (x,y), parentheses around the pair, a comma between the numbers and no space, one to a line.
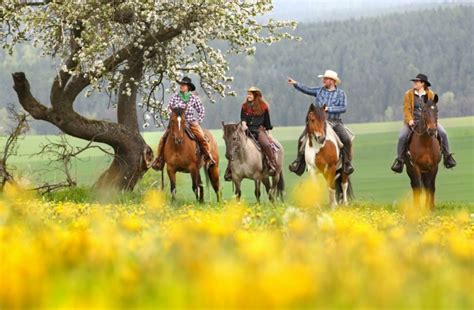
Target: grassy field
(374,151)
(140,251)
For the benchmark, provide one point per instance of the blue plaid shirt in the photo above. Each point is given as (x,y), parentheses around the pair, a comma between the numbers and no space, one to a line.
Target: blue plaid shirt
(335,100)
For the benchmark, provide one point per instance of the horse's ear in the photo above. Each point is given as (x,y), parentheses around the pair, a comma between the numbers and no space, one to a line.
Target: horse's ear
(435,99)
(223,124)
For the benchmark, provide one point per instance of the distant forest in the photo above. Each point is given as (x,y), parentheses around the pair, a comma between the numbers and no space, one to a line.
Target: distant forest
(375,58)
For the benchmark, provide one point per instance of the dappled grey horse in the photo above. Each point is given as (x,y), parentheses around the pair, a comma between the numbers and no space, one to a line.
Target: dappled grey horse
(247,162)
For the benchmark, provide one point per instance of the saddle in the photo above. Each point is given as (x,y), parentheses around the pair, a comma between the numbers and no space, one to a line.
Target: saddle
(274,146)
(191,136)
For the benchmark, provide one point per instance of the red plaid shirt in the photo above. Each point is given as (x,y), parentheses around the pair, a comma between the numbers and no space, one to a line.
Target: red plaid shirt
(195,110)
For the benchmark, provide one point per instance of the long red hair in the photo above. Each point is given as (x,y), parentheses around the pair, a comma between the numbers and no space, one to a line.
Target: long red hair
(258,107)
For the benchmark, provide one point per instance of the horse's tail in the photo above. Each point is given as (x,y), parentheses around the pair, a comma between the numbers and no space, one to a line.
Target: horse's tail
(208,179)
(339,190)
(162,179)
(281,186)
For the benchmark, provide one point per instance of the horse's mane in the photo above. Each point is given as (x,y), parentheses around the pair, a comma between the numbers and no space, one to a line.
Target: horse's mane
(229,128)
(317,110)
(178,111)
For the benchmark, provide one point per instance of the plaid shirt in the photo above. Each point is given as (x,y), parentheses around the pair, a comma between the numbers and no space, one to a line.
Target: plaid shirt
(195,110)
(335,100)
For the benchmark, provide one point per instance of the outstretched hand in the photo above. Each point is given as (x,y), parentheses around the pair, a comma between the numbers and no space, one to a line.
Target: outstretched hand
(291,81)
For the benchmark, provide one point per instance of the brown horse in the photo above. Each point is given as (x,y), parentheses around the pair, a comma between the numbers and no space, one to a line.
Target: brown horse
(424,154)
(182,154)
(322,154)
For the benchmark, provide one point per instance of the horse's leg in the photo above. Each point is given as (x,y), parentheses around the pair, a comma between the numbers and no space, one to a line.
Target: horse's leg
(196,183)
(238,192)
(172,177)
(429,184)
(266,183)
(200,187)
(345,186)
(274,188)
(312,173)
(257,190)
(330,179)
(416,184)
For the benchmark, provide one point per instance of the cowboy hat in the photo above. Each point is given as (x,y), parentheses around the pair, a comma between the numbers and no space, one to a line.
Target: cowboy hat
(255,89)
(187,81)
(422,78)
(330,75)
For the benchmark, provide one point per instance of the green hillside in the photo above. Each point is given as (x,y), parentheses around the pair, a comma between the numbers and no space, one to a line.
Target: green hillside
(374,152)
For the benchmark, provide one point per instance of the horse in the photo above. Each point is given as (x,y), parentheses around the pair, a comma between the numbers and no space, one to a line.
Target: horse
(182,154)
(247,162)
(322,154)
(424,154)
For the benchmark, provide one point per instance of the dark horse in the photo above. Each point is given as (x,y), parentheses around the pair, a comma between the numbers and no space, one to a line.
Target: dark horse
(182,154)
(424,154)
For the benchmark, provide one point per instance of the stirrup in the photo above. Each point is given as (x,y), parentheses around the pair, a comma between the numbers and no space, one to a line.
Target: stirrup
(348,168)
(298,167)
(397,165)
(449,161)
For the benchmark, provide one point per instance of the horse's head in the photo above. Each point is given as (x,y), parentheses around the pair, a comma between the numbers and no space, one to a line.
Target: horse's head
(177,123)
(233,135)
(429,115)
(316,122)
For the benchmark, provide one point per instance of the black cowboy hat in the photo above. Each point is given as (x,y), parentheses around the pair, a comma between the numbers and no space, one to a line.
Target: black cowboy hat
(422,78)
(187,81)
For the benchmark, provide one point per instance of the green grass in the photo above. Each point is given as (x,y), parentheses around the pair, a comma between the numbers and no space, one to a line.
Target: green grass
(374,151)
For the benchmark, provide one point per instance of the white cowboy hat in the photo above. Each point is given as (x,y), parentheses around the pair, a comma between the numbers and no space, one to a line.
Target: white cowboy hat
(330,75)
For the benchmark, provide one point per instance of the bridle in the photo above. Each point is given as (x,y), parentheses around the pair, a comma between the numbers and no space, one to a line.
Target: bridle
(311,132)
(179,118)
(235,143)
(424,127)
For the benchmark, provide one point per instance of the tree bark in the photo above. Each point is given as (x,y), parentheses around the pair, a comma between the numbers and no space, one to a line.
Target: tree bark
(132,156)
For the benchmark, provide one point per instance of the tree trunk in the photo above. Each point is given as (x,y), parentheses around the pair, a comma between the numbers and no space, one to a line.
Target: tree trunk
(131,161)
(132,156)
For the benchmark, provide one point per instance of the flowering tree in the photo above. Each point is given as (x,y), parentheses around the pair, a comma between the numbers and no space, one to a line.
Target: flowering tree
(128,49)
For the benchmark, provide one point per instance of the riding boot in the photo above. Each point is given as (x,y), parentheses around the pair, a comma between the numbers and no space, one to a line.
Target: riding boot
(199,134)
(346,159)
(398,165)
(159,162)
(448,159)
(402,145)
(299,165)
(228,173)
(270,156)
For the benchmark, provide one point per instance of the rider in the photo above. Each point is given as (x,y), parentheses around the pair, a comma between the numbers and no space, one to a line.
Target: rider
(187,99)
(255,118)
(412,104)
(335,100)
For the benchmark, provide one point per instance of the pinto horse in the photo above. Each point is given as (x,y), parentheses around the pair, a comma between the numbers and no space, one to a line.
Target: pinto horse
(322,154)
(181,154)
(424,154)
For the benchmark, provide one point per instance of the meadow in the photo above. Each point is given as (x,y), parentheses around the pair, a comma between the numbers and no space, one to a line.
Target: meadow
(374,152)
(76,249)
